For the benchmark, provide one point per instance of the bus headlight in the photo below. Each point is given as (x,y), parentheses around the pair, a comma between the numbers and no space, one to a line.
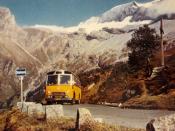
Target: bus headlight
(49,92)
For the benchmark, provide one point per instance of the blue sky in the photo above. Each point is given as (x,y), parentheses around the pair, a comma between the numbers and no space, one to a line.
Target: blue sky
(58,12)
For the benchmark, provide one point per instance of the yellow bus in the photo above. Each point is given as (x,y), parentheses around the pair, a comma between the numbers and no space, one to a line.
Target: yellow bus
(62,86)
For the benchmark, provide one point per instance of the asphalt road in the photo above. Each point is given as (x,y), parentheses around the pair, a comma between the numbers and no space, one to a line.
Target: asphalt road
(114,115)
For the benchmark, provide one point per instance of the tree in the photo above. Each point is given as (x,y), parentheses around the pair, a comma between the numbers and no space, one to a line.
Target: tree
(142,46)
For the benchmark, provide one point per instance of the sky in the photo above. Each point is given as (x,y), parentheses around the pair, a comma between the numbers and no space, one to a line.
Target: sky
(58,12)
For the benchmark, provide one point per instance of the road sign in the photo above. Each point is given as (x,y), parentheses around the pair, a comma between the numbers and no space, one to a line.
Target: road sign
(21,71)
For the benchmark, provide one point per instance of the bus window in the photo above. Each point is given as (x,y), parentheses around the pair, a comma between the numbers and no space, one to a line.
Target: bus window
(64,79)
(52,80)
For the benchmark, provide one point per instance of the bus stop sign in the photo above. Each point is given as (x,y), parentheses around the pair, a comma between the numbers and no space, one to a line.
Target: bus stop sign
(20,71)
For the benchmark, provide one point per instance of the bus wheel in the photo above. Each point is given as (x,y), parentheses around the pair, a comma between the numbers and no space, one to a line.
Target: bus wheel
(43,102)
(49,103)
(73,101)
(77,101)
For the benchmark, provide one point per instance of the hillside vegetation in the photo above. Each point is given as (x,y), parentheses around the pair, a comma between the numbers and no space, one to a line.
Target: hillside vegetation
(134,87)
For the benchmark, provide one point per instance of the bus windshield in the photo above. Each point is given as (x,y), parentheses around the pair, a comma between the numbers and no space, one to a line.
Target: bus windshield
(52,79)
(64,79)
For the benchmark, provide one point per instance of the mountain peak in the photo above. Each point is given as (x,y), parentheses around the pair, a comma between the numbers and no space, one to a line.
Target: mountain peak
(135,3)
(120,12)
(7,20)
(140,11)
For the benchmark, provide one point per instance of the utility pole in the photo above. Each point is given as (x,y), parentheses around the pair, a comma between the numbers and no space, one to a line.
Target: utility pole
(162,46)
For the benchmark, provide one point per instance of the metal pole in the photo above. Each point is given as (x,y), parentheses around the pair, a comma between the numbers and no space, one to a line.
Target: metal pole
(21,78)
(162,47)
(162,52)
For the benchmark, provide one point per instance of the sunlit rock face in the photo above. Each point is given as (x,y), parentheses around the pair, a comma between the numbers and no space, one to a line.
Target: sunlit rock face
(7,20)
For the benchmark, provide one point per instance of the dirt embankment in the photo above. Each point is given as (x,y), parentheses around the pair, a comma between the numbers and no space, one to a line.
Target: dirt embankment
(115,84)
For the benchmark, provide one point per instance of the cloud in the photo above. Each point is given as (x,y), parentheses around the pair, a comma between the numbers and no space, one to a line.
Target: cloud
(165,6)
(159,7)
(91,25)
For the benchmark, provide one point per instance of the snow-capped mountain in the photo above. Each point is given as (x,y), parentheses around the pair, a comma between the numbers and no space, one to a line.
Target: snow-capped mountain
(119,13)
(129,14)
(139,12)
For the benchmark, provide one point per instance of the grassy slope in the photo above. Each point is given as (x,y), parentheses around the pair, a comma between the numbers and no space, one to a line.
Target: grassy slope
(112,83)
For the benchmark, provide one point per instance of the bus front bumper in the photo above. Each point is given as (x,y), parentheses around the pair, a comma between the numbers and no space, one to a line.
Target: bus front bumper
(57,98)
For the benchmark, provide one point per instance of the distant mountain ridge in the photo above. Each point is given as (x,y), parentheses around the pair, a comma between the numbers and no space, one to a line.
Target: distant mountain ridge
(139,12)
(129,14)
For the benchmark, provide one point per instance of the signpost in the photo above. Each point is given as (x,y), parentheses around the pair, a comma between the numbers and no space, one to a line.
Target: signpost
(21,72)
(162,46)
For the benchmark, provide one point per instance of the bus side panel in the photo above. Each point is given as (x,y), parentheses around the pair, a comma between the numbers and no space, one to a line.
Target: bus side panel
(70,93)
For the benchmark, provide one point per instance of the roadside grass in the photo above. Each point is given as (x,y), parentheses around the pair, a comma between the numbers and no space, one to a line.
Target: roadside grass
(3,116)
(161,101)
(14,120)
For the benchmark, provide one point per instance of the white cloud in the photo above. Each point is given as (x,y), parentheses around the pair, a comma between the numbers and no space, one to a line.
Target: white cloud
(160,6)
(91,25)
(94,25)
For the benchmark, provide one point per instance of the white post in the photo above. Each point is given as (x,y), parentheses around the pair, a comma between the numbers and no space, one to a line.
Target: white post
(22,95)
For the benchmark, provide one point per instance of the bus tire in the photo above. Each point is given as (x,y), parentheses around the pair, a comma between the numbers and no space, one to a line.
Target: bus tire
(49,102)
(77,101)
(44,102)
(73,101)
